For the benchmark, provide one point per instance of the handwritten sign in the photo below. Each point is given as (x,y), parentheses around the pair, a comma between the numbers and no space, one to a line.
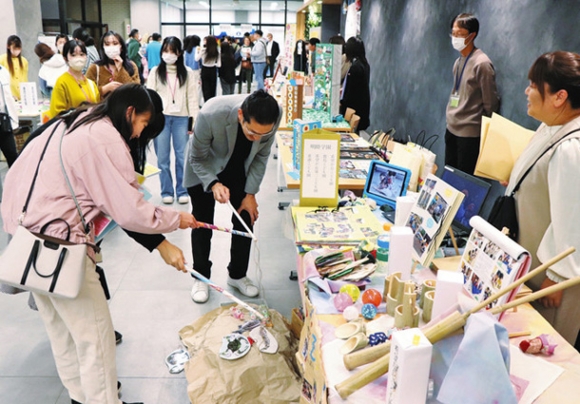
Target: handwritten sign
(319,168)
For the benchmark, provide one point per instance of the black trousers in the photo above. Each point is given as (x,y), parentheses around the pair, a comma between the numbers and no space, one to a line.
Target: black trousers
(8,147)
(208,82)
(203,208)
(461,152)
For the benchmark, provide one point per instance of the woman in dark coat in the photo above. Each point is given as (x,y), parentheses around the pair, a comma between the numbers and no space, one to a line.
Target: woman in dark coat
(355,89)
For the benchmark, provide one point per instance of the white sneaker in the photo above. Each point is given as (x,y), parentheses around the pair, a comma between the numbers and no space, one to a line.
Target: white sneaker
(168,200)
(245,286)
(183,199)
(199,291)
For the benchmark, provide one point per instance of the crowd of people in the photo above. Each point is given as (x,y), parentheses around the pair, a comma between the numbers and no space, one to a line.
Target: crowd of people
(108,103)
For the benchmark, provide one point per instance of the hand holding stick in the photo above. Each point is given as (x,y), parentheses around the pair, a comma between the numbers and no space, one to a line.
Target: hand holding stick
(224,229)
(241,220)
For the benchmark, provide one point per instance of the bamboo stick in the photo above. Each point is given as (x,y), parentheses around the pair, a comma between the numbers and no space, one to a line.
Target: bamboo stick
(368,355)
(451,324)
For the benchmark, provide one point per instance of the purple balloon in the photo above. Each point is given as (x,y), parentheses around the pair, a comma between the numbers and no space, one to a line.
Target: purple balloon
(342,301)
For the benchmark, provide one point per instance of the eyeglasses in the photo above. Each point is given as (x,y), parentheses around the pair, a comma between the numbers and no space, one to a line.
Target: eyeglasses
(252,133)
(459,35)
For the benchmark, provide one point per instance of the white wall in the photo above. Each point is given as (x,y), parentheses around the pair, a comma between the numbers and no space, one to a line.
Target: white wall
(7,23)
(145,15)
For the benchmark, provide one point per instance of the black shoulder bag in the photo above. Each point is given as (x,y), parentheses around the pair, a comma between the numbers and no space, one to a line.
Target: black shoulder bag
(503,213)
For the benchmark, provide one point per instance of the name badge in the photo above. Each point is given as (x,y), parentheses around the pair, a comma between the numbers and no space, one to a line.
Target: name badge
(173,107)
(454,100)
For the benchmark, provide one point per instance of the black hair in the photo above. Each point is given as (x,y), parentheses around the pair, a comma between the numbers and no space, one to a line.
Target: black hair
(313,41)
(13,40)
(59,36)
(191,42)
(211,48)
(172,43)
(81,34)
(70,47)
(104,61)
(115,107)
(467,21)
(259,32)
(262,107)
(156,36)
(560,71)
(133,32)
(337,40)
(355,49)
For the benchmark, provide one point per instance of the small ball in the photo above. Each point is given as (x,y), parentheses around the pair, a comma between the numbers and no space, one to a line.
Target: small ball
(352,290)
(369,311)
(372,296)
(350,313)
(342,301)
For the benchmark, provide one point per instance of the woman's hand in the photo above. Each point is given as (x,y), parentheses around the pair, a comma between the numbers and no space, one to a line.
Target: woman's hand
(555,299)
(118,62)
(112,86)
(504,183)
(172,255)
(187,221)
(221,193)
(250,205)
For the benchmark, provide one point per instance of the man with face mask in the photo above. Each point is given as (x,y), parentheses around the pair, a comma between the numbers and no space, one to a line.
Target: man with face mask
(473,95)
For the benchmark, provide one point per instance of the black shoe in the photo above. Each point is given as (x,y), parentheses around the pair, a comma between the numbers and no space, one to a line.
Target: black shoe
(118,337)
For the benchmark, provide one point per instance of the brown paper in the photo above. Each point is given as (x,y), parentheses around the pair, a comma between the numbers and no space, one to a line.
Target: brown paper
(254,378)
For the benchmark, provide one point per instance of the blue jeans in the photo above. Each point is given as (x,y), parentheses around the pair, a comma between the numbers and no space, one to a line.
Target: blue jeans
(175,130)
(259,73)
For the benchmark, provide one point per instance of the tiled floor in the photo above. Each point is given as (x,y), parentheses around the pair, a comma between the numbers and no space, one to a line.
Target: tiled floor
(150,302)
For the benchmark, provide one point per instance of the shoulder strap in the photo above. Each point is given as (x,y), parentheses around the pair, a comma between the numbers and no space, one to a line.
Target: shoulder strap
(25,207)
(538,159)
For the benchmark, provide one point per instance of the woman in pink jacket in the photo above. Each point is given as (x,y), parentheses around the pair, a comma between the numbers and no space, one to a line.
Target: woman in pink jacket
(99,148)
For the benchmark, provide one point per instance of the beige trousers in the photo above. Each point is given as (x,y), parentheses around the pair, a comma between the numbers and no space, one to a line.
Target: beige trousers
(82,340)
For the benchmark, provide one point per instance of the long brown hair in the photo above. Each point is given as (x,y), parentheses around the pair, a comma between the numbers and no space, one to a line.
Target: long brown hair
(13,40)
(211,48)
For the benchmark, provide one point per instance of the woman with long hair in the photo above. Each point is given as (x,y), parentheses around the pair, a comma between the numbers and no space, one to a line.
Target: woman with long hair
(228,69)
(114,68)
(177,86)
(210,60)
(95,148)
(72,88)
(355,89)
(16,64)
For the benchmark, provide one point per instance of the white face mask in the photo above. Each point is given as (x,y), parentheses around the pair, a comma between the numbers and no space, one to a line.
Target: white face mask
(60,48)
(77,62)
(112,51)
(458,43)
(169,58)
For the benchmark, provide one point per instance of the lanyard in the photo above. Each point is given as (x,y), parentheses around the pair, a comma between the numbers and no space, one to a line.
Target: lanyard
(458,79)
(83,90)
(174,89)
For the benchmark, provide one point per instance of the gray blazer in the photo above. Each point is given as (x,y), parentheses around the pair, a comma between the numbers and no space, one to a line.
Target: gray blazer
(212,144)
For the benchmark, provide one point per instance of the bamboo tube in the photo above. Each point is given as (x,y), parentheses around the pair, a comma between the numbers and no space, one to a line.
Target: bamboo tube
(449,325)
(356,359)
(536,295)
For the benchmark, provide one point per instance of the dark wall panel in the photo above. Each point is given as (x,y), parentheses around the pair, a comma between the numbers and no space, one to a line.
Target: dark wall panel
(409,50)
(330,21)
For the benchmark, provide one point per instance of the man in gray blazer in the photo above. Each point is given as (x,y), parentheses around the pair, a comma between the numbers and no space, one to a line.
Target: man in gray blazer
(226,161)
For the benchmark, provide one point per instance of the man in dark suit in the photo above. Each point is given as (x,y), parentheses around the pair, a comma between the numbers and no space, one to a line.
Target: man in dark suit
(273,51)
(226,161)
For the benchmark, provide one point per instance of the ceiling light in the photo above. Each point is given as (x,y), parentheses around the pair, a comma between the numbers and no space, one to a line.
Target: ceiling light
(273,6)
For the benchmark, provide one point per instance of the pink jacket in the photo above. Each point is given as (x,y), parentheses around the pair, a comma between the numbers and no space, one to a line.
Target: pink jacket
(99,166)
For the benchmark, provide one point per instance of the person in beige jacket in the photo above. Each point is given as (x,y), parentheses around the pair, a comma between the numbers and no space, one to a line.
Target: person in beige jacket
(177,86)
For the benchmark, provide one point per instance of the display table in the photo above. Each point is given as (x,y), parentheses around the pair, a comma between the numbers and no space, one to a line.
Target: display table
(288,177)
(309,114)
(322,367)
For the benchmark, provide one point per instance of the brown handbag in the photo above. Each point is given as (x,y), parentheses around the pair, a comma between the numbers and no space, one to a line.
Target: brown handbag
(246,64)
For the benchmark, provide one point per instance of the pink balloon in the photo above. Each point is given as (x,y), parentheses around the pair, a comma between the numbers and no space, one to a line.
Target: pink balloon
(342,301)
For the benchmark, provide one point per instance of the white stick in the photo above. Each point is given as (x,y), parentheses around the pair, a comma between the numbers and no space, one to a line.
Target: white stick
(242,220)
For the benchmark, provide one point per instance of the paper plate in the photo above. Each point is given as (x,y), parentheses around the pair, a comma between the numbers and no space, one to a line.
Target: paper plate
(234,346)
(265,341)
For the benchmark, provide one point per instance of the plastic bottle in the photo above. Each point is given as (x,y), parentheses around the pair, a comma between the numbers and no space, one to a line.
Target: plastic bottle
(383,254)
